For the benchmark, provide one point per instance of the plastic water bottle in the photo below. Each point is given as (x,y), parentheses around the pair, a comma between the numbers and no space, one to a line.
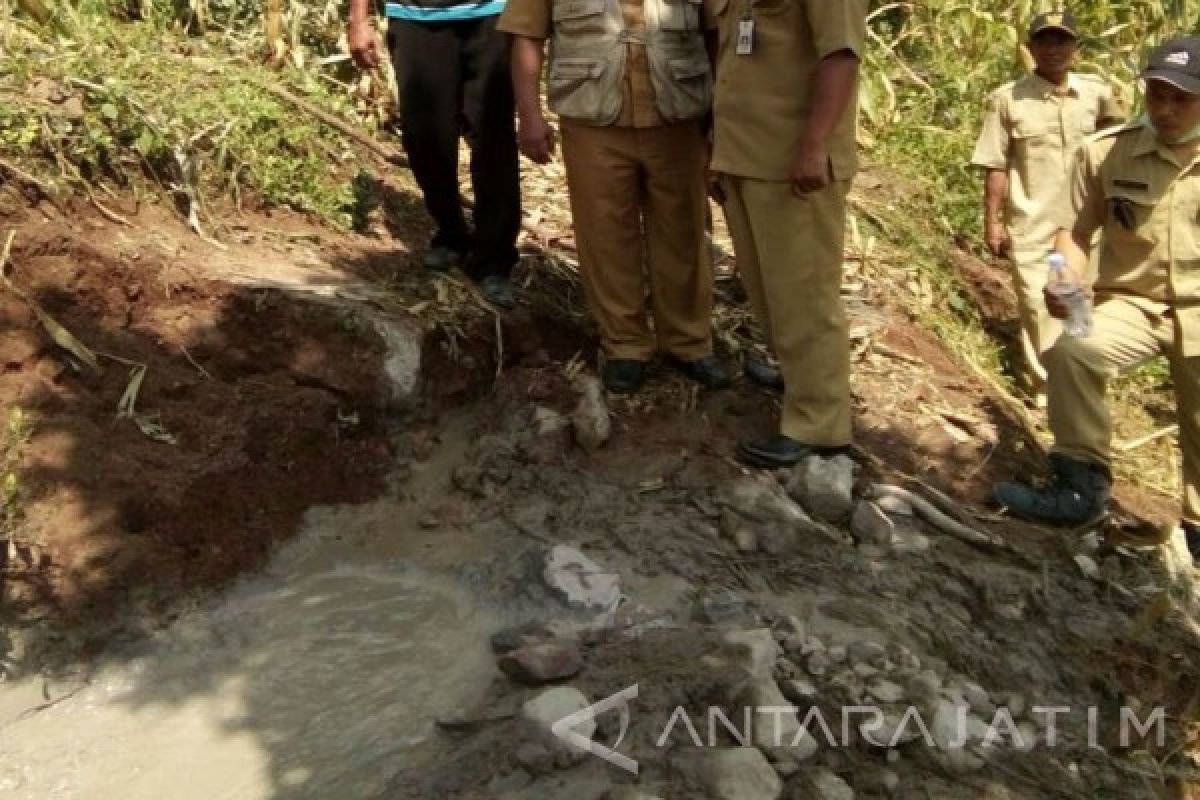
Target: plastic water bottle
(1073,295)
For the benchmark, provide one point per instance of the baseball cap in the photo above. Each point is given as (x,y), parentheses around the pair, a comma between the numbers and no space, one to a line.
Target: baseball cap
(1054,21)
(1177,62)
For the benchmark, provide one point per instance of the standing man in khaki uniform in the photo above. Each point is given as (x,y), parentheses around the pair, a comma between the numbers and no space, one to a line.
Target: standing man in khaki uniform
(784,153)
(1031,131)
(1139,185)
(631,83)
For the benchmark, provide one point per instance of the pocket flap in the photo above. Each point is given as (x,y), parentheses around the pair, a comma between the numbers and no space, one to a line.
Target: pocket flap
(577,69)
(1034,130)
(682,70)
(576,9)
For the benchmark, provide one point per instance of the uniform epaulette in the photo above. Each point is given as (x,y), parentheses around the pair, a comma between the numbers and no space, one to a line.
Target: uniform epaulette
(1108,133)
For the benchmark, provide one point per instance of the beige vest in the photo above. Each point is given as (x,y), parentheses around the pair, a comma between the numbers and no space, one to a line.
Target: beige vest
(587,59)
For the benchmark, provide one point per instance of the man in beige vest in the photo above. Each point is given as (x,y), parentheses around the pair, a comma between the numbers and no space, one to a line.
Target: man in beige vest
(784,151)
(631,83)
(1140,186)
(1031,131)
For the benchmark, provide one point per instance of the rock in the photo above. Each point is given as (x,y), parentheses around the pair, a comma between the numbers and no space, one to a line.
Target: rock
(780,538)
(722,607)
(812,645)
(893,756)
(892,731)
(730,773)
(824,486)
(826,786)
(628,793)
(1088,566)
(549,436)
(1027,737)
(754,652)
(535,757)
(1016,704)
(886,691)
(762,500)
(978,699)
(889,780)
(870,524)
(837,654)
(905,660)
(547,421)
(790,633)
(865,671)
(539,715)
(581,582)
(867,652)
(786,670)
(891,504)
(925,688)
(777,731)
(509,639)
(818,664)
(910,542)
(590,419)
(746,541)
(800,691)
(540,663)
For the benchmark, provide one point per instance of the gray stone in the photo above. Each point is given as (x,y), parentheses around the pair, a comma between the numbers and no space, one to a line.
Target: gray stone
(730,773)
(890,780)
(827,786)
(754,652)
(886,691)
(628,793)
(746,541)
(891,504)
(722,607)
(776,729)
(402,361)
(905,660)
(869,524)
(892,731)
(539,715)
(818,664)
(867,652)
(865,671)
(837,654)
(536,664)
(825,487)
(978,699)
(800,691)
(762,500)
(1027,737)
(535,757)
(590,419)
(581,582)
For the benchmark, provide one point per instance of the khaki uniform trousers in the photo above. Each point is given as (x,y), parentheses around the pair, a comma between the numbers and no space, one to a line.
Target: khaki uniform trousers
(1039,330)
(789,253)
(638,197)
(1124,334)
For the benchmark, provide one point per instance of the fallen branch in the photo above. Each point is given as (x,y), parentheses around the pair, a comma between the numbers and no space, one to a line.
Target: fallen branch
(343,127)
(25,177)
(938,519)
(1147,439)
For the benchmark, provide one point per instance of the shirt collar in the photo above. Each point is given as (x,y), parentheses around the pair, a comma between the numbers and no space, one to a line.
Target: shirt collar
(1048,89)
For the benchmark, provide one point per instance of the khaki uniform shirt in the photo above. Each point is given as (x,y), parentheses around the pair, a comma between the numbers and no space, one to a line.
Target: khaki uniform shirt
(761,100)
(1032,130)
(532,19)
(1148,205)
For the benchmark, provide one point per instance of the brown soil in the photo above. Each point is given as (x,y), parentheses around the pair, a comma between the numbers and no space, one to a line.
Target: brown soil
(271,401)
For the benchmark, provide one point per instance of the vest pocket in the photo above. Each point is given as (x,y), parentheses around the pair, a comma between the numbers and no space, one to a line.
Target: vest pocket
(690,89)
(576,91)
(680,15)
(579,16)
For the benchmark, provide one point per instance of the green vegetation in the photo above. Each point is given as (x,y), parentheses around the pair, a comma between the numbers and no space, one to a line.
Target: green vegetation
(16,432)
(99,100)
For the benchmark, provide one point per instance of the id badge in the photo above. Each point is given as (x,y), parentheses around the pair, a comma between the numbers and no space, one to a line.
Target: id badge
(745,37)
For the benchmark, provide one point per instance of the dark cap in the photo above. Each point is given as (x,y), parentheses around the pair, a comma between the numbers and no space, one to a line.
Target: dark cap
(1054,21)
(1177,62)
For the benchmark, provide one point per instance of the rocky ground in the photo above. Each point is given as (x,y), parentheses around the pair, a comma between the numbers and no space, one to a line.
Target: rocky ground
(296,367)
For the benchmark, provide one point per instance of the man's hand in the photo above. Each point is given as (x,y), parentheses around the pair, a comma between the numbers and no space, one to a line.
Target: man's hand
(364,44)
(811,171)
(997,240)
(535,138)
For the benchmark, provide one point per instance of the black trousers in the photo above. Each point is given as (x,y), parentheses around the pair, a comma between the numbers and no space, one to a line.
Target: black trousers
(454,80)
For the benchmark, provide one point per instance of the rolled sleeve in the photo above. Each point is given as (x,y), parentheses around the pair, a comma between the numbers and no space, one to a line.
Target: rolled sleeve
(528,18)
(1080,207)
(838,26)
(991,150)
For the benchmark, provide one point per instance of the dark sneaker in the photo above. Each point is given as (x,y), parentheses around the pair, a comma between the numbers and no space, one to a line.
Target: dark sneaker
(708,371)
(1191,532)
(764,374)
(1077,494)
(624,375)
(441,259)
(498,291)
(781,451)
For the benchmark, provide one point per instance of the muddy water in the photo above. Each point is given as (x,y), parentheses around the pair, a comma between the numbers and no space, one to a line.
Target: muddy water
(319,679)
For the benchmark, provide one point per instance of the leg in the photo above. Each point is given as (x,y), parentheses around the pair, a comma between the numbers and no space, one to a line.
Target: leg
(745,252)
(604,183)
(799,242)
(1185,374)
(679,264)
(489,110)
(427,71)
(1038,329)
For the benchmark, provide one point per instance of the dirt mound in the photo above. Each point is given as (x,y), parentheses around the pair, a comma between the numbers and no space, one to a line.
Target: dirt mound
(253,406)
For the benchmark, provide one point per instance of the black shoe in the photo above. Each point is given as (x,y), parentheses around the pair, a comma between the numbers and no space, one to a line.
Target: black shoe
(498,291)
(781,451)
(624,375)
(1191,532)
(1077,494)
(764,374)
(708,371)
(441,259)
